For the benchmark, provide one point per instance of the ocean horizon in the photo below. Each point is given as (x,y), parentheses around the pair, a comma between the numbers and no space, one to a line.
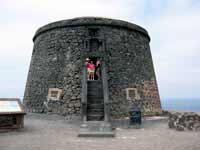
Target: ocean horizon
(192,105)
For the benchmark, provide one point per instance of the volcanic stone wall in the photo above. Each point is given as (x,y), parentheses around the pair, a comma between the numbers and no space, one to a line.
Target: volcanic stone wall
(58,57)
(184,121)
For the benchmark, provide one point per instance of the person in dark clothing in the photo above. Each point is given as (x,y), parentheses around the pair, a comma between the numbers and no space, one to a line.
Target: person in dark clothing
(98,69)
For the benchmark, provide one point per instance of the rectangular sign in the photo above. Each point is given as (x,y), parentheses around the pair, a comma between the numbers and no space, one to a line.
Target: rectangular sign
(9,106)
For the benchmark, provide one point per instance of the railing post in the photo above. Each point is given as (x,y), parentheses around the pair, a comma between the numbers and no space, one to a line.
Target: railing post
(84,94)
(105,93)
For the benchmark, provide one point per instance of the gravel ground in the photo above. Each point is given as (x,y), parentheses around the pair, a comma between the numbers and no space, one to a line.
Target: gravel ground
(52,132)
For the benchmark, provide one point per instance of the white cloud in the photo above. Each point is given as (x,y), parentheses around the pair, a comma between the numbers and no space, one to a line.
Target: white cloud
(175,46)
(173,27)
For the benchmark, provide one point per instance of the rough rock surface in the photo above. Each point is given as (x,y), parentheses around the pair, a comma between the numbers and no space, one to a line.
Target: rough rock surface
(184,121)
(58,56)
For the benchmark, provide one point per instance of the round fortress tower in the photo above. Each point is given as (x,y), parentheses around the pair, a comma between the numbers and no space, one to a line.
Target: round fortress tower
(57,79)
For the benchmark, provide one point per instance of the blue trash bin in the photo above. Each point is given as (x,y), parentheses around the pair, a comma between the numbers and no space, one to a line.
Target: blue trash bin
(135,117)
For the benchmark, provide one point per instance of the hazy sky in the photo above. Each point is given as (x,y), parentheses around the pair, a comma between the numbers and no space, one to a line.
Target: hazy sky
(174,27)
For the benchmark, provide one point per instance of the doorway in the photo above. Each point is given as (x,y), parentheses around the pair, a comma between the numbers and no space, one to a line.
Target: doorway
(93,65)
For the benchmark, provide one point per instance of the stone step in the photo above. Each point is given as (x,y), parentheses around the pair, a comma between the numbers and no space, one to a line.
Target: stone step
(91,82)
(96,87)
(94,83)
(95,91)
(95,100)
(95,106)
(95,110)
(96,129)
(94,96)
(91,112)
(95,117)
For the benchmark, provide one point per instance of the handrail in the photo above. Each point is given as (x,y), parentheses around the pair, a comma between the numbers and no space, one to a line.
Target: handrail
(105,93)
(84,94)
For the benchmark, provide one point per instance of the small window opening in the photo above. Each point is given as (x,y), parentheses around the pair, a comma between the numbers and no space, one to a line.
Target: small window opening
(94,44)
(93,32)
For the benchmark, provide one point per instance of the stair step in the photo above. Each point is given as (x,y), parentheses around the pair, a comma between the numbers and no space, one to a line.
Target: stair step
(96,129)
(94,96)
(95,87)
(95,110)
(95,100)
(95,106)
(95,113)
(90,97)
(94,82)
(95,117)
(95,91)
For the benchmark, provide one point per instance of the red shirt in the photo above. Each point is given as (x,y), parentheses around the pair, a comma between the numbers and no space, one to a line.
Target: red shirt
(91,66)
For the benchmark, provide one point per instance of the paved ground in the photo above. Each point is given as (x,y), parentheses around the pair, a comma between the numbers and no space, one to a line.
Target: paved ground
(51,132)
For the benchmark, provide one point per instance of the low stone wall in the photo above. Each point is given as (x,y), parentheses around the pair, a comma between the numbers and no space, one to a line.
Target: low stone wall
(184,121)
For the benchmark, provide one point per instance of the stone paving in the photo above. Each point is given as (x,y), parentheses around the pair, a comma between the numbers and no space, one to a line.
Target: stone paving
(52,132)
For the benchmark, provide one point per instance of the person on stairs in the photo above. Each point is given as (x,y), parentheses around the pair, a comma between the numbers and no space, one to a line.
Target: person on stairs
(98,65)
(90,69)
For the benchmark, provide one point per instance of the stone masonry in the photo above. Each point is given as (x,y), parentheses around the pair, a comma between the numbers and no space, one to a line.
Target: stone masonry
(58,57)
(184,121)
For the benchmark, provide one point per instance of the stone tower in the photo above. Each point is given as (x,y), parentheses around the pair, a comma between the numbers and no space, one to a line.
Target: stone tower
(57,79)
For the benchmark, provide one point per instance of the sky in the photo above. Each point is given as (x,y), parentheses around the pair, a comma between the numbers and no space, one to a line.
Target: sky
(173,25)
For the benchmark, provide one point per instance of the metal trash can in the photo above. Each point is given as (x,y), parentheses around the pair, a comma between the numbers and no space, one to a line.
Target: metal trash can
(135,117)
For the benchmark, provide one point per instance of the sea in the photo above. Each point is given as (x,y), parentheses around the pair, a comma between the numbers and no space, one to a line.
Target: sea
(192,105)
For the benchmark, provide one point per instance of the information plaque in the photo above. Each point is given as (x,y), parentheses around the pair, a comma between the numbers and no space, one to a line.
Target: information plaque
(11,113)
(9,106)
